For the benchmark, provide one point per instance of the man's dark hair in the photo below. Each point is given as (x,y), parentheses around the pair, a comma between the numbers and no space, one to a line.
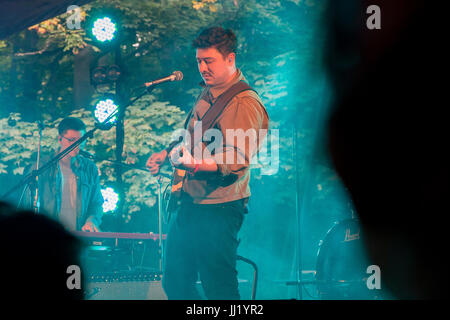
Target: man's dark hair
(71,123)
(223,40)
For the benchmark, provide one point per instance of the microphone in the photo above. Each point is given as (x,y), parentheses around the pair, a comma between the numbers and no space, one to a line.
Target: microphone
(86,154)
(175,76)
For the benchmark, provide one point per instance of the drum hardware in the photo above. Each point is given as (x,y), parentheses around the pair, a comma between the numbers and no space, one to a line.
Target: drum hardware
(342,264)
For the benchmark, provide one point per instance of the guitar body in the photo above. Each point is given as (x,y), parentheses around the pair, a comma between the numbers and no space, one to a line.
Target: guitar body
(177,187)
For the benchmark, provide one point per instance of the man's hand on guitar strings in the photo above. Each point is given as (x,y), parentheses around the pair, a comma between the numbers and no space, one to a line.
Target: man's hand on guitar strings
(181,158)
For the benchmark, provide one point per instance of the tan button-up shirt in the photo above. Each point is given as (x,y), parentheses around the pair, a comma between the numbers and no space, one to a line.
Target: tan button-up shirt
(231,181)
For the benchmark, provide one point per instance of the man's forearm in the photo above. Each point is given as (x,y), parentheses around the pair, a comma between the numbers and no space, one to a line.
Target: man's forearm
(95,212)
(95,219)
(207,165)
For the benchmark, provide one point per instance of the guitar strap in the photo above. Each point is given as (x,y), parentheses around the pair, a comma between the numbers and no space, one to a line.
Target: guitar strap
(213,113)
(207,121)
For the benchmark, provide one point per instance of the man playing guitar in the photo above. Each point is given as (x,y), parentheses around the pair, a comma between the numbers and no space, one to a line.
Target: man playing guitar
(214,190)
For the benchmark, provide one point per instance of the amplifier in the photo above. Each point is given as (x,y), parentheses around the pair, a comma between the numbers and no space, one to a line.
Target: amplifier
(124,286)
(113,252)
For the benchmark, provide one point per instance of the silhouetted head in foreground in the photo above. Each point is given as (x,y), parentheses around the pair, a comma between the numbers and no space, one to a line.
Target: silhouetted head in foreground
(36,253)
(388,140)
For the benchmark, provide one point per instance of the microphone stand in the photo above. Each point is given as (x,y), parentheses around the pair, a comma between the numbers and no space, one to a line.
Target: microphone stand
(127,165)
(36,203)
(161,246)
(148,89)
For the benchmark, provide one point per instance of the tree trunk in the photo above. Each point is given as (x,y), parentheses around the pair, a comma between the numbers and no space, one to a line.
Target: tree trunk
(82,88)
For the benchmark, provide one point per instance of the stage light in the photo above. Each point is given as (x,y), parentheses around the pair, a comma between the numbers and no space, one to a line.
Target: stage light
(105,74)
(103,109)
(104,29)
(98,75)
(110,198)
(113,73)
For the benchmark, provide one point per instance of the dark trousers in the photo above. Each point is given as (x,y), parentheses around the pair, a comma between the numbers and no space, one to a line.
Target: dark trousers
(202,240)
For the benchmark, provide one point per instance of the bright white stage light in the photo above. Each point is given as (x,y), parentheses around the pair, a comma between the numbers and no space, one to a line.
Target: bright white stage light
(110,198)
(104,29)
(103,109)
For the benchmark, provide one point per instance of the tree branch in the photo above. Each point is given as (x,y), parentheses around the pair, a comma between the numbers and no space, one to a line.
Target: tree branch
(22,54)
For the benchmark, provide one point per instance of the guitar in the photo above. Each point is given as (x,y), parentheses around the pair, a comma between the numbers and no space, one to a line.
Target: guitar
(174,200)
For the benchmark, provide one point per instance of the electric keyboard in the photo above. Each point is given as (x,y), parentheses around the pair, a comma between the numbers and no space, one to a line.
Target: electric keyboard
(119,235)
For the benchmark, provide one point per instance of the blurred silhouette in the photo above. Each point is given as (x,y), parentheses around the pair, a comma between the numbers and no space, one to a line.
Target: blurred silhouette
(388,137)
(36,252)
